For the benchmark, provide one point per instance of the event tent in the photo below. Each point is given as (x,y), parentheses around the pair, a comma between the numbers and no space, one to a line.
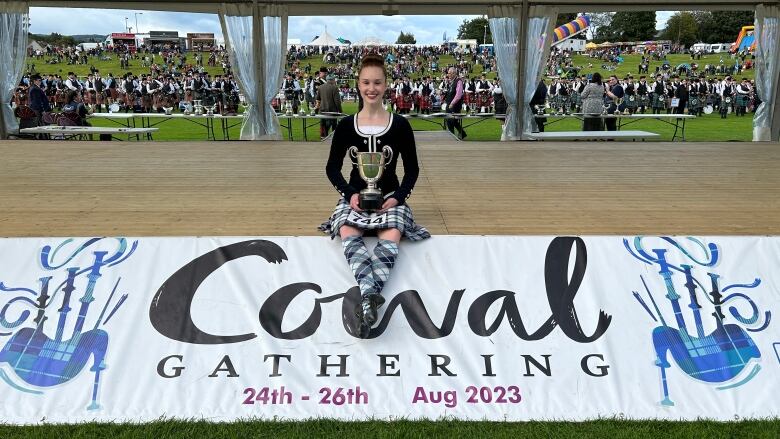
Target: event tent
(371,41)
(325,39)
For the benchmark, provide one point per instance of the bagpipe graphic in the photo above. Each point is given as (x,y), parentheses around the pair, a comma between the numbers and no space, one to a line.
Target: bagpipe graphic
(39,360)
(723,355)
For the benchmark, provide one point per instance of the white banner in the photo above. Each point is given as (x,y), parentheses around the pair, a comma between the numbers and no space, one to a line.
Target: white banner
(475,327)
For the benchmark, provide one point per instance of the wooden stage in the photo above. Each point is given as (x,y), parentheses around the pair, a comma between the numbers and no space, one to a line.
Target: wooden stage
(56,188)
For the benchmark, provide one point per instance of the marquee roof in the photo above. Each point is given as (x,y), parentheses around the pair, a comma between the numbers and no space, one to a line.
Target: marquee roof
(325,39)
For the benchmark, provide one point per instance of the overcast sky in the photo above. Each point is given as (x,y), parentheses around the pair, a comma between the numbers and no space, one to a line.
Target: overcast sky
(426,29)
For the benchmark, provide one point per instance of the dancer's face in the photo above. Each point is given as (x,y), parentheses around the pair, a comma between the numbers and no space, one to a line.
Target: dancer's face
(372,84)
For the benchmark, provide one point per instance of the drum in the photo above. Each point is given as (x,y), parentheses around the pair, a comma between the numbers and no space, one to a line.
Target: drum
(708,109)
(113,108)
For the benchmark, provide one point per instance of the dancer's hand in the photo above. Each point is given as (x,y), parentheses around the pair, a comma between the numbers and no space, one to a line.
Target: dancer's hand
(389,204)
(354,203)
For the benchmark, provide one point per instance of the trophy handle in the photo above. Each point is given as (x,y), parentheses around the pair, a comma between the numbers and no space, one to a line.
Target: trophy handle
(353,152)
(388,153)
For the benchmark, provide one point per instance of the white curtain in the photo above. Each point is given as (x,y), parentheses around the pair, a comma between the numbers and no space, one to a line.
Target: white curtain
(541,20)
(275,54)
(13,50)
(255,36)
(504,26)
(767,59)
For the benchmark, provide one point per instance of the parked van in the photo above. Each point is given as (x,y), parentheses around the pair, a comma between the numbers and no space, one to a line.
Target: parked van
(719,47)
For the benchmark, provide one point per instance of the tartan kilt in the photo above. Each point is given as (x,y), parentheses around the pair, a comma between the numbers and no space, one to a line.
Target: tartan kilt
(399,217)
(577,98)
(658,101)
(405,102)
(631,103)
(424,103)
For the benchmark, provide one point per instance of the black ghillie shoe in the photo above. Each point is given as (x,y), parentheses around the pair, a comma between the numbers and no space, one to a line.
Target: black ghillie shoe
(370,304)
(363,329)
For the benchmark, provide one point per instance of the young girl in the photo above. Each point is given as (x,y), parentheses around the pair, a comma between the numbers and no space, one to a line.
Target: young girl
(373,129)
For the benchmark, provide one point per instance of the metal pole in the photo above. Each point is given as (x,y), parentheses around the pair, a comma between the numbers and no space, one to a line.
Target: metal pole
(137,30)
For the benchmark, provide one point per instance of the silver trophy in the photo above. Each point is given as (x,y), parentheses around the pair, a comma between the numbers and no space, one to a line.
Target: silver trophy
(198,107)
(618,103)
(288,108)
(371,165)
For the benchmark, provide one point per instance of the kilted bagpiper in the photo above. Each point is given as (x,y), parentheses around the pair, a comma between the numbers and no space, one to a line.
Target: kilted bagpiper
(375,130)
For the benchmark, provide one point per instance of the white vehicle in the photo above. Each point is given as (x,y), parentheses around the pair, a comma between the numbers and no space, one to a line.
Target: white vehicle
(720,47)
(701,47)
(88,46)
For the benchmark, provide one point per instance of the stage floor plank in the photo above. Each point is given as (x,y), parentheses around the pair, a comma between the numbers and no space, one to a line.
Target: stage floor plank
(492,188)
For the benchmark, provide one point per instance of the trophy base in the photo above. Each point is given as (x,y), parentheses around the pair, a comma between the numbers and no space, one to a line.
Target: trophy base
(370,201)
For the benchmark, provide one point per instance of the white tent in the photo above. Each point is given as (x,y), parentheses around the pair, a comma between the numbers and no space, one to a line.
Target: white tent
(326,39)
(34,45)
(371,41)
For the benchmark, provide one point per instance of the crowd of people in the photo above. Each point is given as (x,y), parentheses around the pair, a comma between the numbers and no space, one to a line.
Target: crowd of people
(661,94)
(417,81)
(175,79)
(403,95)
(128,93)
(683,89)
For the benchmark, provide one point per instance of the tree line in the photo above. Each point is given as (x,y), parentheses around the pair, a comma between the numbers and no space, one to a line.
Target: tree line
(684,27)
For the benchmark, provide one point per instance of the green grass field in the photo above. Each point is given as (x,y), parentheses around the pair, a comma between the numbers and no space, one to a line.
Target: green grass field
(404,429)
(707,128)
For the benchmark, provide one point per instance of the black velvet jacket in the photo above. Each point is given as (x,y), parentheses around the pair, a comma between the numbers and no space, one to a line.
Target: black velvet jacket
(397,138)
